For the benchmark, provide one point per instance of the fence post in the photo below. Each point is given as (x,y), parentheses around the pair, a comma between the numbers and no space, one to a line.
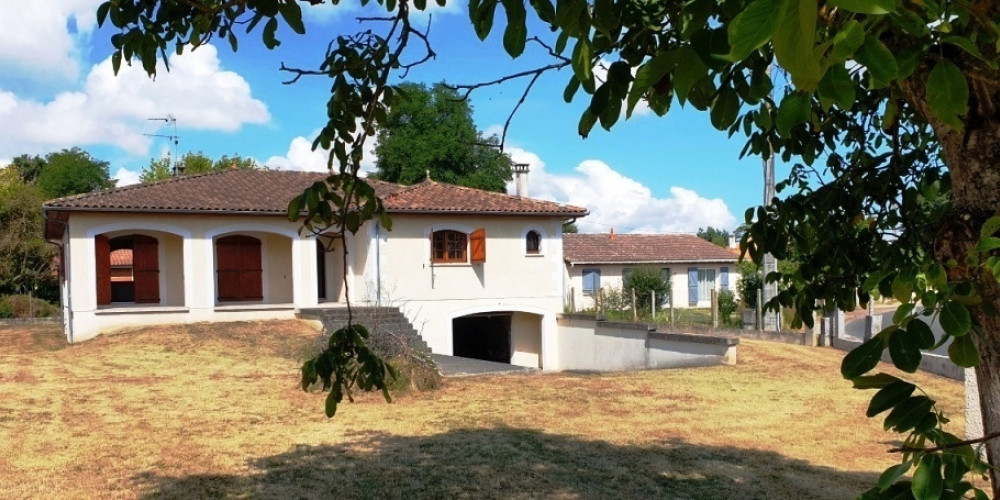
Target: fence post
(635,311)
(652,304)
(760,310)
(572,299)
(671,305)
(715,309)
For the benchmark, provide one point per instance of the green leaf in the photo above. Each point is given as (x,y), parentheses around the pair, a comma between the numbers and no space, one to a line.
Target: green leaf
(988,243)
(955,319)
(968,47)
(909,413)
(872,7)
(102,13)
(516,34)
(990,227)
(648,75)
(927,481)
(292,14)
(571,89)
(876,381)
(902,312)
(847,41)
(877,60)
(794,42)
(753,27)
(332,400)
(837,86)
(962,352)
(936,276)
(725,108)
(904,352)
(689,70)
(923,336)
(294,208)
(948,94)
(793,110)
(269,34)
(889,396)
(902,289)
(583,67)
(892,474)
(481,14)
(863,358)
(587,121)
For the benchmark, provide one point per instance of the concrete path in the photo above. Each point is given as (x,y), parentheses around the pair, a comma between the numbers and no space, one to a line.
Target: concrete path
(454,366)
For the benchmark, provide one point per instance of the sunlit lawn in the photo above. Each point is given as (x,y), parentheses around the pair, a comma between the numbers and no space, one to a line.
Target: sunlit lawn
(215,411)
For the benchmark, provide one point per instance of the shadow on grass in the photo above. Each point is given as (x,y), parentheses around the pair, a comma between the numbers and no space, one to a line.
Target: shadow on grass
(515,463)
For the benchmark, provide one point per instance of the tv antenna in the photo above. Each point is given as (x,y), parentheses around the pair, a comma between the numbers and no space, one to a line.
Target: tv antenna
(174,139)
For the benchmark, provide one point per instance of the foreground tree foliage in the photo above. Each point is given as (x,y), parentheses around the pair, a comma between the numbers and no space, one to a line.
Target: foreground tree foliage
(430,131)
(890,115)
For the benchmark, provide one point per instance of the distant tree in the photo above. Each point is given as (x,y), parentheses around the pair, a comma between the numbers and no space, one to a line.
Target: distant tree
(431,130)
(194,163)
(29,167)
(25,258)
(717,236)
(645,280)
(73,171)
(570,228)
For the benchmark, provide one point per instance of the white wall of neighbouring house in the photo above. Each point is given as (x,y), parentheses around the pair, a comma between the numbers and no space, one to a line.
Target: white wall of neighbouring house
(187,270)
(510,280)
(612,279)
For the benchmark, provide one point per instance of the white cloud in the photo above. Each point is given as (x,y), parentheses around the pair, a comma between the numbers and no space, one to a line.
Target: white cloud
(617,201)
(125,177)
(326,12)
(35,40)
(301,156)
(115,110)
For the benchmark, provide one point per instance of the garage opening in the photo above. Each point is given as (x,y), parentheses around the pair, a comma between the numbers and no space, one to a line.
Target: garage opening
(482,336)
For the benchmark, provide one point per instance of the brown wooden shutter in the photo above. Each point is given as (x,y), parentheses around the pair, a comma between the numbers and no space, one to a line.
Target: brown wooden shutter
(252,272)
(102,254)
(146,269)
(227,268)
(477,245)
(239,268)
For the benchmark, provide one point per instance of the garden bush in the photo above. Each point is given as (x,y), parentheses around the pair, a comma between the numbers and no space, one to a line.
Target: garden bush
(23,306)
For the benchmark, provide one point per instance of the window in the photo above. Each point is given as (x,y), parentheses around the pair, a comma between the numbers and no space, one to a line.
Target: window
(701,282)
(532,243)
(127,269)
(449,246)
(706,283)
(591,281)
(239,268)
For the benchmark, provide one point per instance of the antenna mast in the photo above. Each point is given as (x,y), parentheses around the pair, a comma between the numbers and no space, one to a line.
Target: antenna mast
(174,139)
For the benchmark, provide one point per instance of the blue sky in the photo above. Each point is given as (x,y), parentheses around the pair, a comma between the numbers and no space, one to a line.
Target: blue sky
(57,90)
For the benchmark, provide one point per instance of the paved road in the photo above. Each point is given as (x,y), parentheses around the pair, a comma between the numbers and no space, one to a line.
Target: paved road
(856,329)
(454,366)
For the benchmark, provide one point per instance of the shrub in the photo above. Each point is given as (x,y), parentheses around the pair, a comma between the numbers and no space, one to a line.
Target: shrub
(727,305)
(23,306)
(646,280)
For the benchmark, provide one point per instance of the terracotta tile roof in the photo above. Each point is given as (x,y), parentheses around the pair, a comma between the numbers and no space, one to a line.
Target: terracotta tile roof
(121,257)
(641,248)
(267,192)
(429,196)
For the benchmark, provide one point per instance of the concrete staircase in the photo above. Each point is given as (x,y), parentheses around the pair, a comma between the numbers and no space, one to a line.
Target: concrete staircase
(388,326)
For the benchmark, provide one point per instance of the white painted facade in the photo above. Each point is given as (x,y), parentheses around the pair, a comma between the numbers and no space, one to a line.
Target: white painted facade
(612,278)
(390,268)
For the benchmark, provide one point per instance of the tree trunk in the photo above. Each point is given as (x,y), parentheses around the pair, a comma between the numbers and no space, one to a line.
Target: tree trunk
(973,160)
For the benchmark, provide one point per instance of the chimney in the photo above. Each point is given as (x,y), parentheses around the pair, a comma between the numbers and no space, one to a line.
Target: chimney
(520,179)
(612,238)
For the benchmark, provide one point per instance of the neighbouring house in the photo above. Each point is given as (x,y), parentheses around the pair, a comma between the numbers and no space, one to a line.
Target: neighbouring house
(476,273)
(693,266)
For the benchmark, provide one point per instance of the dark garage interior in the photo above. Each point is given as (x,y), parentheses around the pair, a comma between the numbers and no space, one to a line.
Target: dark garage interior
(482,336)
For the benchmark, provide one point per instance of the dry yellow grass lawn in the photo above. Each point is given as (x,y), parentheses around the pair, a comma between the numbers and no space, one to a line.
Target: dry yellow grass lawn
(215,411)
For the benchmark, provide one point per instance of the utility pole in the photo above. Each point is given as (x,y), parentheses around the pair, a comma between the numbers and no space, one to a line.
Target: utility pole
(174,140)
(772,320)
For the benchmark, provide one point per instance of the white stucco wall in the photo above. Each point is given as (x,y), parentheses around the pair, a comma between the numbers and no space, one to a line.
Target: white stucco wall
(611,278)
(526,340)
(431,295)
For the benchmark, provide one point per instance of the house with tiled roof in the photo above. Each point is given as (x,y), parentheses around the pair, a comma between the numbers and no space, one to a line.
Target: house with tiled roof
(219,247)
(693,266)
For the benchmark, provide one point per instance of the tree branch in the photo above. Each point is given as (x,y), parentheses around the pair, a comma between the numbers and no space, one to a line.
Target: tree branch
(910,449)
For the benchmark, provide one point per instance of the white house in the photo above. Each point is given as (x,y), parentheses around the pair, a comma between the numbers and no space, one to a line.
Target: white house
(218,247)
(694,266)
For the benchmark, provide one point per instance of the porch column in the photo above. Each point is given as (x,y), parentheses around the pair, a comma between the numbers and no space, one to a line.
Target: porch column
(199,274)
(305,291)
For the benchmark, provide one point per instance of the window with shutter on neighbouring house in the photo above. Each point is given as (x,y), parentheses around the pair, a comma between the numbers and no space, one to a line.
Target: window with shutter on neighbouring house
(706,283)
(591,281)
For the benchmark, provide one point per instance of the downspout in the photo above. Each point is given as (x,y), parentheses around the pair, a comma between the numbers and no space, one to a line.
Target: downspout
(64,288)
(378,265)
